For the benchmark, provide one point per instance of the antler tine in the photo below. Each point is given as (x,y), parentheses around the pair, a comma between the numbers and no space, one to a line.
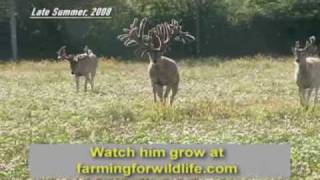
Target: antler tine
(63,48)
(159,31)
(142,27)
(167,27)
(311,47)
(166,35)
(174,22)
(308,44)
(312,39)
(163,31)
(134,23)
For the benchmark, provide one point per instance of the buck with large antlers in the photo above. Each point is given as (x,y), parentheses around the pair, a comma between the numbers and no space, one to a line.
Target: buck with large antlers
(307,73)
(154,42)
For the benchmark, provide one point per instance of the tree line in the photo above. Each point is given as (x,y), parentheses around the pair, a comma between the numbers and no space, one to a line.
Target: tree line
(222,27)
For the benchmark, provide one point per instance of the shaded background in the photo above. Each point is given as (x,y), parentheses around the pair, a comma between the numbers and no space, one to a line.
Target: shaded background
(223,27)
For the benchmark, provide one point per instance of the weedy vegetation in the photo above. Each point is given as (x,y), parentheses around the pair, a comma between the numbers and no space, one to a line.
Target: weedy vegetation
(245,100)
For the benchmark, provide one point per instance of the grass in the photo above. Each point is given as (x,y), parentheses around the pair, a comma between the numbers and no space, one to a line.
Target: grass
(246,100)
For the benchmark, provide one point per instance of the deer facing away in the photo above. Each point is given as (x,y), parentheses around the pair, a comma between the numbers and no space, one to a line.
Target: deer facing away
(155,41)
(84,64)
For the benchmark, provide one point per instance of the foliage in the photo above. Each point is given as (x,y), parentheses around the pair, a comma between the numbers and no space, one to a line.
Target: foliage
(226,27)
(4,10)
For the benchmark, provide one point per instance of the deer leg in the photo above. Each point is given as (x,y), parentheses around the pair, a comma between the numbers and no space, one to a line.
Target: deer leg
(174,92)
(92,80)
(166,93)
(301,96)
(154,90)
(304,97)
(308,95)
(160,92)
(87,78)
(77,78)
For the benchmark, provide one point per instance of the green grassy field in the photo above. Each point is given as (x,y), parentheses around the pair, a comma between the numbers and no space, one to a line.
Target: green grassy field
(245,100)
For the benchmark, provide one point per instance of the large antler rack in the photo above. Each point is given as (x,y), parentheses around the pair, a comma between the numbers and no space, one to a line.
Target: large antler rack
(136,36)
(178,34)
(157,38)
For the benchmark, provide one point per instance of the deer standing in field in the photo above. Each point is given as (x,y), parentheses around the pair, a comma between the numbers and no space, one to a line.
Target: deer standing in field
(84,64)
(154,42)
(307,73)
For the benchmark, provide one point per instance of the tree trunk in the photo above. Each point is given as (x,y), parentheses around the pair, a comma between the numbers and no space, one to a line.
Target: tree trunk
(197,17)
(13,29)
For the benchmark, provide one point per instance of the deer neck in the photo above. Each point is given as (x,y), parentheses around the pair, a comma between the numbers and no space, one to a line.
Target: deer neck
(154,57)
(303,68)
(303,64)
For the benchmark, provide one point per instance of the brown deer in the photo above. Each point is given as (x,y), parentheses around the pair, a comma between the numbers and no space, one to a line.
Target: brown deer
(154,42)
(312,49)
(307,73)
(84,64)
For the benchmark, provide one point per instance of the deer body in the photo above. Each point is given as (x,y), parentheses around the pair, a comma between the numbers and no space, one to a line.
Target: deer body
(308,79)
(81,65)
(85,66)
(307,74)
(163,72)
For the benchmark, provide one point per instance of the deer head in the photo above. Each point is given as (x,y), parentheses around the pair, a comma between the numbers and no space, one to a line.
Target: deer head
(301,53)
(62,55)
(310,50)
